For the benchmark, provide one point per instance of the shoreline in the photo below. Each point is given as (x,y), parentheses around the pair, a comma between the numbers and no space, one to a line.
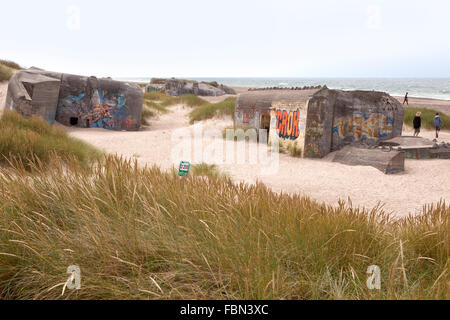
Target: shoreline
(439,105)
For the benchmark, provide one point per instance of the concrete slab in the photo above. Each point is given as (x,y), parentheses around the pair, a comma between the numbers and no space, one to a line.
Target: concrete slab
(386,160)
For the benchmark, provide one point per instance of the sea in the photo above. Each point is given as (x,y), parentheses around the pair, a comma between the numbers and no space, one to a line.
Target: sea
(433,88)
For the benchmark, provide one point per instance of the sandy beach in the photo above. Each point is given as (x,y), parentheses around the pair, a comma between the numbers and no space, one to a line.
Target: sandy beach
(423,182)
(435,104)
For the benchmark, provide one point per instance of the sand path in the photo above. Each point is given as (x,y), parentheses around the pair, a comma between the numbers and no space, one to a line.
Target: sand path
(424,181)
(3,91)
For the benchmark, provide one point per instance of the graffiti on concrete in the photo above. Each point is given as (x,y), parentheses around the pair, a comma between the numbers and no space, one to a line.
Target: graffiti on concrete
(288,123)
(246,114)
(105,110)
(153,89)
(363,126)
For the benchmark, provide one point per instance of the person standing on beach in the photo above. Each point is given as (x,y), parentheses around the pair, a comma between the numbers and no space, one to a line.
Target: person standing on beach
(437,121)
(417,123)
(406,99)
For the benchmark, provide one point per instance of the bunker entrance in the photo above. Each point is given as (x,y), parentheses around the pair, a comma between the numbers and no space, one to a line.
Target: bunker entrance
(265,124)
(73,121)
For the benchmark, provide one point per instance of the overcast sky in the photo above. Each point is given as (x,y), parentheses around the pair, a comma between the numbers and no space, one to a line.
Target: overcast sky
(208,38)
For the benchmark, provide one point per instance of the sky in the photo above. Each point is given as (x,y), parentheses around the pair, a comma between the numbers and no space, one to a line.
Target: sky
(244,38)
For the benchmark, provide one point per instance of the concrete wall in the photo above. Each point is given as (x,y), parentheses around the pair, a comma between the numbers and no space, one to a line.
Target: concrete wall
(76,100)
(33,94)
(248,117)
(288,125)
(337,118)
(99,103)
(321,121)
(250,106)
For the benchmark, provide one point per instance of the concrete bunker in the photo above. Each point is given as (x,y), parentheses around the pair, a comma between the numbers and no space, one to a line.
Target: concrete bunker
(254,109)
(74,100)
(317,122)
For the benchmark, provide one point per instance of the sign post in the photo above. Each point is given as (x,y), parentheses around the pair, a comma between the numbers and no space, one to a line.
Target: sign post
(183,171)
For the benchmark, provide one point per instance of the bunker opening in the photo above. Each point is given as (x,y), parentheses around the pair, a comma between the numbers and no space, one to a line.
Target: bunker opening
(73,121)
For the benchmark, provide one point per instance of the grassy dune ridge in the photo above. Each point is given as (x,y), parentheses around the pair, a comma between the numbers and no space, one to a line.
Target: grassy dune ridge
(157,102)
(6,69)
(23,139)
(5,73)
(140,233)
(10,64)
(210,110)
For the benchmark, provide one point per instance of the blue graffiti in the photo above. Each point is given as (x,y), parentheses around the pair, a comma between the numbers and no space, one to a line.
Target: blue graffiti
(108,111)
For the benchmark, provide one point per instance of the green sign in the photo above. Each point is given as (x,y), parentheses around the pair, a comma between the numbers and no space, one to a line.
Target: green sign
(184,169)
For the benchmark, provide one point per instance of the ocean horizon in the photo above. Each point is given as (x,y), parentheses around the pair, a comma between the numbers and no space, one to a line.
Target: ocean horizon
(432,88)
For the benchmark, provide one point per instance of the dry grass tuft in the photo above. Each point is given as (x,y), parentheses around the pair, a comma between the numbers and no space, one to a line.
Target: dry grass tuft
(24,139)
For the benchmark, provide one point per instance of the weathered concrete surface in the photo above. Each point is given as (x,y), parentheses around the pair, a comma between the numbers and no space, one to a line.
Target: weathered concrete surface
(226,89)
(316,122)
(407,141)
(176,87)
(337,118)
(419,148)
(33,94)
(154,87)
(76,100)
(389,162)
(252,105)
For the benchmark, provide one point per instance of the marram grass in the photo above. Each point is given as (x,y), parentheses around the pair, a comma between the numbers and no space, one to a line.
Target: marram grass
(10,64)
(210,110)
(6,69)
(140,233)
(22,139)
(5,73)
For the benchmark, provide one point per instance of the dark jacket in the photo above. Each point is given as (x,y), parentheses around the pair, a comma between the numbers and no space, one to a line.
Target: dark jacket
(417,122)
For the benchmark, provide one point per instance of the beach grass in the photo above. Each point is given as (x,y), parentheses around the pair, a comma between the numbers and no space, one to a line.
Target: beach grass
(210,110)
(202,109)
(427,117)
(23,139)
(147,113)
(6,69)
(156,96)
(294,150)
(189,100)
(5,73)
(160,102)
(141,233)
(208,170)
(10,64)
(156,106)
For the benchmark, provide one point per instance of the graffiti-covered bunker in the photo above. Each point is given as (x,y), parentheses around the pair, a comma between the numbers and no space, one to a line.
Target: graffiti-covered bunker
(75,100)
(318,122)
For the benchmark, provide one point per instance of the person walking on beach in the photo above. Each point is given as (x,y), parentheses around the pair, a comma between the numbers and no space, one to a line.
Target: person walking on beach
(406,99)
(417,123)
(437,121)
